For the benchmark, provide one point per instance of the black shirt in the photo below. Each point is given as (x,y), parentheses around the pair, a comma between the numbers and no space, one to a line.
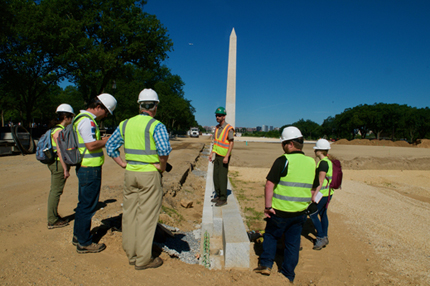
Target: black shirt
(280,169)
(323,167)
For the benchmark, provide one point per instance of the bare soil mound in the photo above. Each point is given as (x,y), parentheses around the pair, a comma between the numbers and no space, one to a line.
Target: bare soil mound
(374,142)
(425,143)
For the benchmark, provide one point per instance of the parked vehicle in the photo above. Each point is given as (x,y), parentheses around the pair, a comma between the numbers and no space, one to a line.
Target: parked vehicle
(194,132)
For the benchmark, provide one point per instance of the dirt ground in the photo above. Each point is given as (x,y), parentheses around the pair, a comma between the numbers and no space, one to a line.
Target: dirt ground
(378,221)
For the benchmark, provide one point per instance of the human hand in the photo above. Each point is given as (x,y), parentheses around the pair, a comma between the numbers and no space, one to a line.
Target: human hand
(158,167)
(66,174)
(268,212)
(210,157)
(225,160)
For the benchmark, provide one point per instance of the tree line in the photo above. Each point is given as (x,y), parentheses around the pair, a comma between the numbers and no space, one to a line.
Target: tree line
(111,46)
(380,120)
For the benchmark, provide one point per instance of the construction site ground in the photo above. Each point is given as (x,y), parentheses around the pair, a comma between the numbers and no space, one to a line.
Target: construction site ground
(378,221)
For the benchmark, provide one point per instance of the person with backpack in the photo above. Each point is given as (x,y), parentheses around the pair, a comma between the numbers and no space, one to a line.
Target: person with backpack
(147,148)
(89,172)
(59,170)
(323,175)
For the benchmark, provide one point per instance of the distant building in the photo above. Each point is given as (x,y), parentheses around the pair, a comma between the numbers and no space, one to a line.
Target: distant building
(258,128)
(265,128)
(208,129)
(271,128)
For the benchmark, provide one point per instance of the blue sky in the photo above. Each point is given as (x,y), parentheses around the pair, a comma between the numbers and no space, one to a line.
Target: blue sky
(298,59)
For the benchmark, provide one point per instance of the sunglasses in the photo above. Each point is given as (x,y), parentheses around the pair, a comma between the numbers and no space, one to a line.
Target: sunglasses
(219,115)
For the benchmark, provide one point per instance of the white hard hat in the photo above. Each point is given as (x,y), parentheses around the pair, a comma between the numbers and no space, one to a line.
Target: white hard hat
(65,108)
(290,133)
(108,101)
(322,144)
(148,94)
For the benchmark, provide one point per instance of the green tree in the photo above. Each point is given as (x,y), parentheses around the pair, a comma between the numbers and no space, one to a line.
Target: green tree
(29,61)
(91,42)
(328,127)
(174,110)
(107,35)
(309,128)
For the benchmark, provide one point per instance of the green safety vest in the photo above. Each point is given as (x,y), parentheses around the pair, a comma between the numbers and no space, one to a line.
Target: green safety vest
(293,192)
(53,142)
(93,158)
(326,184)
(139,144)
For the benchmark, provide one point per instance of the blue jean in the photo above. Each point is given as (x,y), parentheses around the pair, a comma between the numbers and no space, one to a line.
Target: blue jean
(292,229)
(321,223)
(90,179)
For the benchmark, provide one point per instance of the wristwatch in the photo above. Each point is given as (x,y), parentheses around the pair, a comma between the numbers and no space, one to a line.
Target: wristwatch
(268,208)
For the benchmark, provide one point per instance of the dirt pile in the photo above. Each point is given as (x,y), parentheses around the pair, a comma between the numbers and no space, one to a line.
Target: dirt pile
(425,143)
(374,142)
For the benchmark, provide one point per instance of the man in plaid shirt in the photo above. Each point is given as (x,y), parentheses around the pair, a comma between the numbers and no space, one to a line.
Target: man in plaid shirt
(147,148)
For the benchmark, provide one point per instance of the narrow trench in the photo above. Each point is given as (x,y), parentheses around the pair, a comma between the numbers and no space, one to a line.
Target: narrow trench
(190,169)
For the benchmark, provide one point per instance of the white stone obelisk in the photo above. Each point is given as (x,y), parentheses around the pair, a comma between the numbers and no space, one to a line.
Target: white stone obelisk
(230,103)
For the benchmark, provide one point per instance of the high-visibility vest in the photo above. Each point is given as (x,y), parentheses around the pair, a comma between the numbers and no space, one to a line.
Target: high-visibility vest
(139,144)
(326,184)
(93,158)
(221,142)
(293,192)
(53,142)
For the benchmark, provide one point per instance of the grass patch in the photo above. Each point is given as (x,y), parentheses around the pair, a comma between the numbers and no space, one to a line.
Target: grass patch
(241,197)
(252,216)
(172,213)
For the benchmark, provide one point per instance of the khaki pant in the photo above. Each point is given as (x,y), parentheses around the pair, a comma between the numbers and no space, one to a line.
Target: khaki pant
(57,186)
(143,194)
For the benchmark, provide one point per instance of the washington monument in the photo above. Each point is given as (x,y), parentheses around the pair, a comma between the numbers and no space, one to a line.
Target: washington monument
(230,103)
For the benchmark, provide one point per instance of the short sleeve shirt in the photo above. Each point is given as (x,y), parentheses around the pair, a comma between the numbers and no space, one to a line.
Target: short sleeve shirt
(87,128)
(323,167)
(230,135)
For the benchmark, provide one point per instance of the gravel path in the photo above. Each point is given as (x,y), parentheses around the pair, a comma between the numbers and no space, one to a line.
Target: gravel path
(394,224)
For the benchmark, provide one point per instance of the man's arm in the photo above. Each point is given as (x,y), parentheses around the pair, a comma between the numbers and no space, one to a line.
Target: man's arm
(91,146)
(230,147)
(113,144)
(87,131)
(161,167)
(161,138)
(268,195)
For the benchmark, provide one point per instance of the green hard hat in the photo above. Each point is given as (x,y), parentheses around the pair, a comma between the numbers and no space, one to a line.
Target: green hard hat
(220,110)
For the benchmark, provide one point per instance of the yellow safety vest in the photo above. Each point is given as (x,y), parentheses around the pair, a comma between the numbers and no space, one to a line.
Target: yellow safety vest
(53,142)
(293,192)
(93,158)
(326,184)
(221,142)
(139,144)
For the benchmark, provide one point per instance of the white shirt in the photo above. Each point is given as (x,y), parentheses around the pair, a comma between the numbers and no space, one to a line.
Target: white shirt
(87,128)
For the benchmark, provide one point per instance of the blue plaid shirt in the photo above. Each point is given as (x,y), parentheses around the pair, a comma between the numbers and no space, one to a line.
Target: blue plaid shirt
(161,138)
